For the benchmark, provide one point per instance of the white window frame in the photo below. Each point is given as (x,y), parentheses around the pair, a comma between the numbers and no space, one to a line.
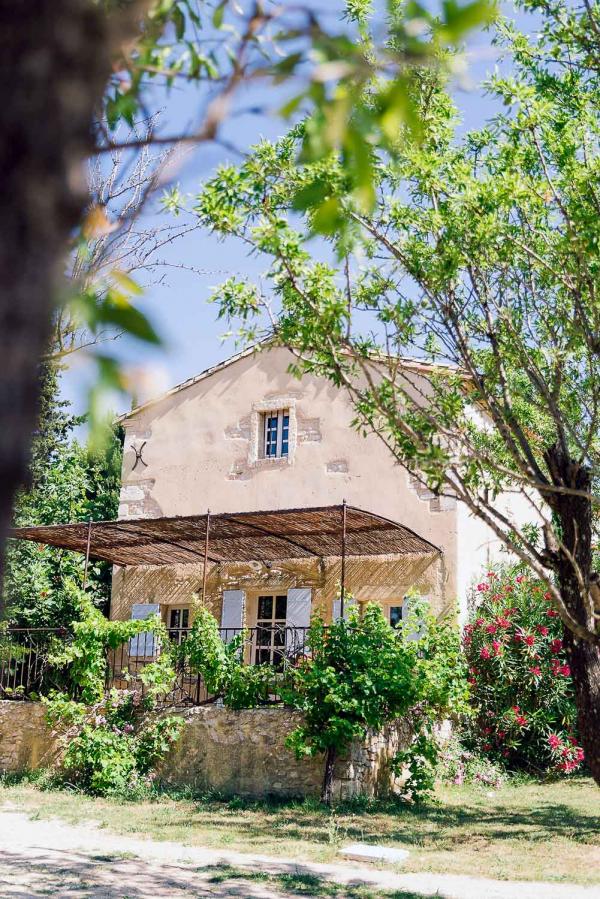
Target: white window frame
(256,448)
(278,415)
(171,628)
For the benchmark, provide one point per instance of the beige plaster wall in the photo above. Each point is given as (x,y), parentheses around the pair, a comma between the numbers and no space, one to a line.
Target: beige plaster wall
(26,742)
(243,753)
(201,452)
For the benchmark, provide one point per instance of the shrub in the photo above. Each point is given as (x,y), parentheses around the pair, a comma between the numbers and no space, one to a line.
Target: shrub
(363,674)
(457,764)
(112,747)
(221,665)
(521,687)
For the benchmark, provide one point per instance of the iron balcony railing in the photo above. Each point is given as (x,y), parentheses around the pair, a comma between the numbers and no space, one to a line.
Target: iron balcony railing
(276,645)
(25,654)
(24,664)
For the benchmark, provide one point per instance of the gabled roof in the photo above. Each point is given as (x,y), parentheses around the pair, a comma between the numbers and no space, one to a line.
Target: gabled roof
(412,364)
(189,382)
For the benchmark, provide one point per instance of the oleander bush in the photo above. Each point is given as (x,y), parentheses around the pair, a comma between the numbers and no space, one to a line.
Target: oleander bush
(520,679)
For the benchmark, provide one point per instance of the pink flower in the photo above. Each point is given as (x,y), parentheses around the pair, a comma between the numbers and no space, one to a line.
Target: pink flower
(502,622)
(580,754)
(508,588)
(497,646)
(471,681)
(492,575)
(536,670)
(483,587)
(518,638)
(491,628)
(554,741)
(484,652)
(501,734)
(565,670)
(555,666)
(548,596)
(487,747)
(543,630)
(467,641)
(520,579)
(552,613)
(529,639)
(521,720)
(556,645)
(479,622)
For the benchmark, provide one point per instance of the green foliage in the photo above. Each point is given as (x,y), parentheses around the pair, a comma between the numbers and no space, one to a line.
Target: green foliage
(221,665)
(521,688)
(363,674)
(111,747)
(94,636)
(69,482)
(460,765)
(417,766)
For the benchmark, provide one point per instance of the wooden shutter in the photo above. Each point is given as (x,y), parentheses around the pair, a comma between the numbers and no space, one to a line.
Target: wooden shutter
(349,603)
(143,645)
(232,612)
(299,606)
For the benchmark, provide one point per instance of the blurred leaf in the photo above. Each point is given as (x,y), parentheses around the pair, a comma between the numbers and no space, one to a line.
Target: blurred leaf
(458,20)
(127,282)
(96,223)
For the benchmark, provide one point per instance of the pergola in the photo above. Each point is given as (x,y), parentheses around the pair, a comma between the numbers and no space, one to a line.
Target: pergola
(267,536)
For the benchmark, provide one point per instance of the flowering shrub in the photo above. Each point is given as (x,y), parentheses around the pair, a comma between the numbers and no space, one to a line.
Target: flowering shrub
(112,747)
(519,676)
(458,765)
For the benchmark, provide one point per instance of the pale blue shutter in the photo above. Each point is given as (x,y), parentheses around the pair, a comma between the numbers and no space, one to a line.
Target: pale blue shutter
(143,645)
(232,613)
(349,603)
(299,606)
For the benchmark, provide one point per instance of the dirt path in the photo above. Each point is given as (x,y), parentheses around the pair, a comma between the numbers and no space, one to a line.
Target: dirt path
(51,858)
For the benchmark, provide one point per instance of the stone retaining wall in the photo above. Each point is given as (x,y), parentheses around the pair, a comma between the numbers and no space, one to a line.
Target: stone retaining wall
(232,752)
(243,753)
(26,742)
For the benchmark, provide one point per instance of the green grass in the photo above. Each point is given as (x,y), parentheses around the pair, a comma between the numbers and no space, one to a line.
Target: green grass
(522,831)
(308,885)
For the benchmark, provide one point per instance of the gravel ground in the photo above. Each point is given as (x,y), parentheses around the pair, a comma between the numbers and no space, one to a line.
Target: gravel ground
(51,858)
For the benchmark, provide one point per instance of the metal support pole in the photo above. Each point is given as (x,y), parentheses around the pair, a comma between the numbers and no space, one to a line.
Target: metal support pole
(343,578)
(204,573)
(87,553)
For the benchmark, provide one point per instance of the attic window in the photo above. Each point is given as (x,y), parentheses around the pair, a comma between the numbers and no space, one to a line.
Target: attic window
(276,433)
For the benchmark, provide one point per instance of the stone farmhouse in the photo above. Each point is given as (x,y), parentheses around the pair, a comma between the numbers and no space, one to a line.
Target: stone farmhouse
(247,436)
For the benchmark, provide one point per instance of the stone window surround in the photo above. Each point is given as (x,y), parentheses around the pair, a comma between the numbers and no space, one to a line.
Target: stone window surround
(256,424)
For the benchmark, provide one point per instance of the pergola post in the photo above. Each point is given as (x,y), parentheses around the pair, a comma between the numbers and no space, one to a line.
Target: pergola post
(343,577)
(87,553)
(204,572)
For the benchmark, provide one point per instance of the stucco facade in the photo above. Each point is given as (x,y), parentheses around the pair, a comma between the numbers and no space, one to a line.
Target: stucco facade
(199,447)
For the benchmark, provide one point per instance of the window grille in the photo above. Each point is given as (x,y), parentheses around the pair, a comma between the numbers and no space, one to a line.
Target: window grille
(276,433)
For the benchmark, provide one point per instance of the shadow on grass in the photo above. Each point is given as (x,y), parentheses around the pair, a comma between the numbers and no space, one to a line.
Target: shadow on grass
(297,884)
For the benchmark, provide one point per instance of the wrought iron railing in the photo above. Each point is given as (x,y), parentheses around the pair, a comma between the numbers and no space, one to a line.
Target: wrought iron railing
(26,668)
(24,661)
(278,646)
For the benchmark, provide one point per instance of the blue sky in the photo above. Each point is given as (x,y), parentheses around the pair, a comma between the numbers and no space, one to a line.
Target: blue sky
(178,307)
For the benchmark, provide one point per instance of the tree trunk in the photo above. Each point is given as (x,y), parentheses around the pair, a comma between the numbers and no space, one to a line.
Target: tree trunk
(327,791)
(55,59)
(574,514)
